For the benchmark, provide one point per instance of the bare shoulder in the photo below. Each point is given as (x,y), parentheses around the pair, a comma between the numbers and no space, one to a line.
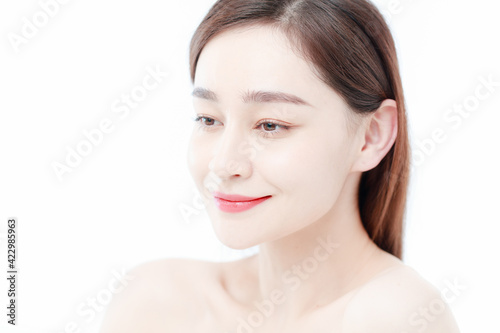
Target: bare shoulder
(157,292)
(398,300)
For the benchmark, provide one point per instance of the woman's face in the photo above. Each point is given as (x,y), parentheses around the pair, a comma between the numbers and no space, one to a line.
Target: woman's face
(268,127)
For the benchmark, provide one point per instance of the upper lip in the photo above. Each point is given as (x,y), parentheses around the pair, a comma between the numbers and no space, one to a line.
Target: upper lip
(235,197)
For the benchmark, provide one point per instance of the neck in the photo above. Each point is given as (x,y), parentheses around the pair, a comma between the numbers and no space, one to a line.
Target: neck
(330,252)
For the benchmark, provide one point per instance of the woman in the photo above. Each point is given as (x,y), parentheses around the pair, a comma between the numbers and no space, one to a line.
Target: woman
(300,146)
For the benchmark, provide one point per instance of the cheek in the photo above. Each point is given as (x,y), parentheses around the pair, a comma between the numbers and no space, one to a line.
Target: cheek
(306,160)
(197,159)
(311,169)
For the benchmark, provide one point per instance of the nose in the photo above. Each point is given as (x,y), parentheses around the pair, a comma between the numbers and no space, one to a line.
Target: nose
(230,159)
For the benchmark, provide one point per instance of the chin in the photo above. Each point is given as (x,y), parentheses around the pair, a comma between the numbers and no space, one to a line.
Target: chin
(234,236)
(237,240)
(238,246)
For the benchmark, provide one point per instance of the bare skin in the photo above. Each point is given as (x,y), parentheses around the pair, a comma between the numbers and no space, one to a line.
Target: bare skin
(181,295)
(317,270)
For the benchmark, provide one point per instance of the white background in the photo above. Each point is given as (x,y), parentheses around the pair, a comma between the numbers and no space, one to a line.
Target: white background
(122,205)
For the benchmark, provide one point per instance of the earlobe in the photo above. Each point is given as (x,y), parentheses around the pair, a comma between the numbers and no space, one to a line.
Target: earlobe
(379,136)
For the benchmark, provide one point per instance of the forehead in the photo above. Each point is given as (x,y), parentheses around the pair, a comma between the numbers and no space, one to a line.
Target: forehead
(254,57)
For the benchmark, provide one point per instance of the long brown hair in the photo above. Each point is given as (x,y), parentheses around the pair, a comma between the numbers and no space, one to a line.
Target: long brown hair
(352,49)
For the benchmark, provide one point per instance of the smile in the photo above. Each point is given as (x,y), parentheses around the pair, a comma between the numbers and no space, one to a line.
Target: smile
(236,203)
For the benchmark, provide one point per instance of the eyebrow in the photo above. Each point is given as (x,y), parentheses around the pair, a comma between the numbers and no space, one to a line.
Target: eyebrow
(254,97)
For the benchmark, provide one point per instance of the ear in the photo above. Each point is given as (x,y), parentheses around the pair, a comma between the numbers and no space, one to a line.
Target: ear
(379,135)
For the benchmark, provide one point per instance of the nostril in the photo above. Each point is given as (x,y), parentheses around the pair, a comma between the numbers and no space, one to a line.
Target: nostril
(233,167)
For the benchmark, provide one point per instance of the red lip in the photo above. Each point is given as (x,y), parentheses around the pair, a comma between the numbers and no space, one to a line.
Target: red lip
(234,197)
(234,203)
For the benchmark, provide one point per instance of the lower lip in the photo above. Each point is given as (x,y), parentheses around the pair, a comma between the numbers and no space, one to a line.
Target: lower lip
(237,206)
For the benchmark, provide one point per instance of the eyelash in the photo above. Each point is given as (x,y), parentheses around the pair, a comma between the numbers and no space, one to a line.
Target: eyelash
(263,122)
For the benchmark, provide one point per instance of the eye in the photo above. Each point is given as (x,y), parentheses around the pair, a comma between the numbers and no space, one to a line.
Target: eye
(206,121)
(267,127)
(271,127)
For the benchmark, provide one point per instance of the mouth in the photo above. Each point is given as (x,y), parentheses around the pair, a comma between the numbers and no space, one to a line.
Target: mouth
(234,203)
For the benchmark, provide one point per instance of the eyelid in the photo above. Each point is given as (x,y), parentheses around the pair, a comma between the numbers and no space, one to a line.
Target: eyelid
(272,121)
